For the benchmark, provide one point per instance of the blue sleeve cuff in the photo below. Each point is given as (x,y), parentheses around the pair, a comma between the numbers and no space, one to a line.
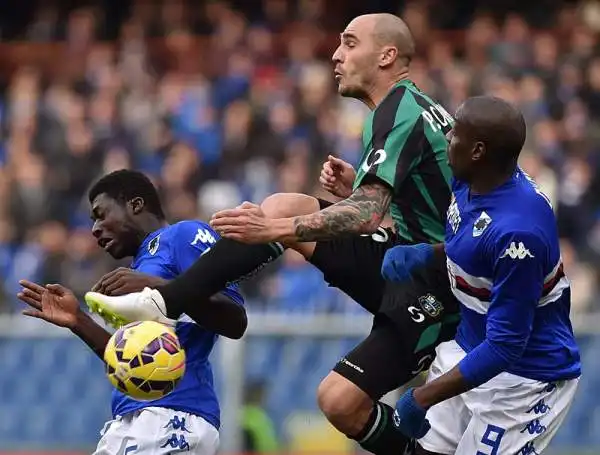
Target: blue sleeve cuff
(482,364)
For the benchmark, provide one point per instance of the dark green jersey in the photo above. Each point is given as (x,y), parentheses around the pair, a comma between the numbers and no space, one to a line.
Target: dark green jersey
(405,145)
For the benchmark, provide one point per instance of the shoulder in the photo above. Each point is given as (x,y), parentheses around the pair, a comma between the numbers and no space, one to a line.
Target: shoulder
(397,108)
(407,106)
(523,205)
(188,226)
(458,185)
(529,208)
(193,232)
(517,239)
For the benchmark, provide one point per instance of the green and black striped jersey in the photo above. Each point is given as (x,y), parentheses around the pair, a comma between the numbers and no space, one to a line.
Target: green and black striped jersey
(405,145)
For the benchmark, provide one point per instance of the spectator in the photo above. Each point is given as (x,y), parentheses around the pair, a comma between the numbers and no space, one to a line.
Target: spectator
(250,109)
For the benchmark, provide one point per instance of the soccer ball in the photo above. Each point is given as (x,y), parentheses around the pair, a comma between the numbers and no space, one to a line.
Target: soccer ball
(144,360)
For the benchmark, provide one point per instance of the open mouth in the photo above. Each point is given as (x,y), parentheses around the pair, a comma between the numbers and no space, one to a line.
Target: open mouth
(105,243)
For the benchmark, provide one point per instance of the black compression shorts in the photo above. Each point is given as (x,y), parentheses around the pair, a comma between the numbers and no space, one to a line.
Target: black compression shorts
(411,318)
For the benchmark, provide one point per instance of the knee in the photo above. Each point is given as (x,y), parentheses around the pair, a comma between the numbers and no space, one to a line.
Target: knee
(284,205)
(345,405)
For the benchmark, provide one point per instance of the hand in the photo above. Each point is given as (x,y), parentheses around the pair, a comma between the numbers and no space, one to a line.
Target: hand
(53,303)
(337,177)
(123,281)
(401,260)
(409,416)
(246,223)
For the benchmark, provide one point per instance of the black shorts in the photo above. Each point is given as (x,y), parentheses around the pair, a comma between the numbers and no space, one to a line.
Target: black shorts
(411,318)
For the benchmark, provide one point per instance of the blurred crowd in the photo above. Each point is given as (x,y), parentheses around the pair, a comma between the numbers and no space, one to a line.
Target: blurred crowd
(240,103)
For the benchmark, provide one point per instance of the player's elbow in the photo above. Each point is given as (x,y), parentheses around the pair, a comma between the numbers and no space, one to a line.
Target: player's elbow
(370,226)
(509,352)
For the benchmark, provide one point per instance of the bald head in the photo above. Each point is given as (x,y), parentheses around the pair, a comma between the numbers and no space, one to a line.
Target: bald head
(374,53)
(390,30)
(495,123)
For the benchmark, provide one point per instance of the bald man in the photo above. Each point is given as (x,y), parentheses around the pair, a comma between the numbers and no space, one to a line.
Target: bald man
(404,171)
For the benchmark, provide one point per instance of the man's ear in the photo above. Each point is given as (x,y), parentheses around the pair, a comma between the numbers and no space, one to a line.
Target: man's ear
(388,55)
(478,151)
(137,205)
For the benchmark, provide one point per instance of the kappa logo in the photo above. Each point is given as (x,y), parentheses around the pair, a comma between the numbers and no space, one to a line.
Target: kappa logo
(153,245)
(515,251)
(203,236)
(481,224)
(374,158)
(430,305)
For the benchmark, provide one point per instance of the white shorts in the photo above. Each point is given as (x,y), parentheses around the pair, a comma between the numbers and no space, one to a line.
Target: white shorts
(158,431)
(506,415)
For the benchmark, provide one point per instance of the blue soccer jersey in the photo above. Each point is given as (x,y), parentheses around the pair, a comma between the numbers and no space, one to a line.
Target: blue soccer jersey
(505,268)
(167,253)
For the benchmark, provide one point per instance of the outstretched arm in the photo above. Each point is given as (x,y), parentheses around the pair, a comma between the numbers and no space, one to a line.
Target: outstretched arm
(91,334)
(59,306)
(361,213)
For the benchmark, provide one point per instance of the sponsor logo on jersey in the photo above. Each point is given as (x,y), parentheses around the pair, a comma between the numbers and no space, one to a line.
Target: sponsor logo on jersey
(153,245)
(430,305)
(453,215)
(396,418)
(515,251)
(482,222)
(374,158)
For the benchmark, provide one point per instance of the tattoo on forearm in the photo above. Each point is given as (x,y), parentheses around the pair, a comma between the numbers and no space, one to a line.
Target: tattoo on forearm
(359,214)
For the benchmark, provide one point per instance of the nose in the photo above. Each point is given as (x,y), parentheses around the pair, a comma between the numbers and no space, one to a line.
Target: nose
(337,55)
(96,230)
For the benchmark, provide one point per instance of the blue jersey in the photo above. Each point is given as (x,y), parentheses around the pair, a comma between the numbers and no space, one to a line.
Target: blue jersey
(506,270)
(167,253)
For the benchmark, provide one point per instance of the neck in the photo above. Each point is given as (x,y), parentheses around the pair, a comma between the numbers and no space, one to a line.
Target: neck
(380,89)
(488,181)
(148,225)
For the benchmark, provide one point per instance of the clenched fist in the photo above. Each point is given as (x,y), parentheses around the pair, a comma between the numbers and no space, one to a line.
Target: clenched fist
(337,177)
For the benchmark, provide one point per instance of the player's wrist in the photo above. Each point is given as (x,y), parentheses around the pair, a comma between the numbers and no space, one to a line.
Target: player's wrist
(427,251)
(281,229)
(79,321)
(155,281)
(422,398)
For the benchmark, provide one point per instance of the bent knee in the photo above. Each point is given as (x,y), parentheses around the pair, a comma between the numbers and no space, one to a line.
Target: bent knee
(345,405)
(285,205)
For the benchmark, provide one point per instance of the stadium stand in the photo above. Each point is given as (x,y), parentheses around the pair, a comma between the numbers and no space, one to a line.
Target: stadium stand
(229,102)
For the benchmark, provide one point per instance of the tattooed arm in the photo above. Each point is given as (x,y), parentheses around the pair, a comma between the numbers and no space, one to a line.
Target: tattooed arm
(361,213)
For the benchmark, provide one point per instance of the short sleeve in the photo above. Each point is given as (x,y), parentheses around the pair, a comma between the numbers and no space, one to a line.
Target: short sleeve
(517,286)
(192,239)
(395,151)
